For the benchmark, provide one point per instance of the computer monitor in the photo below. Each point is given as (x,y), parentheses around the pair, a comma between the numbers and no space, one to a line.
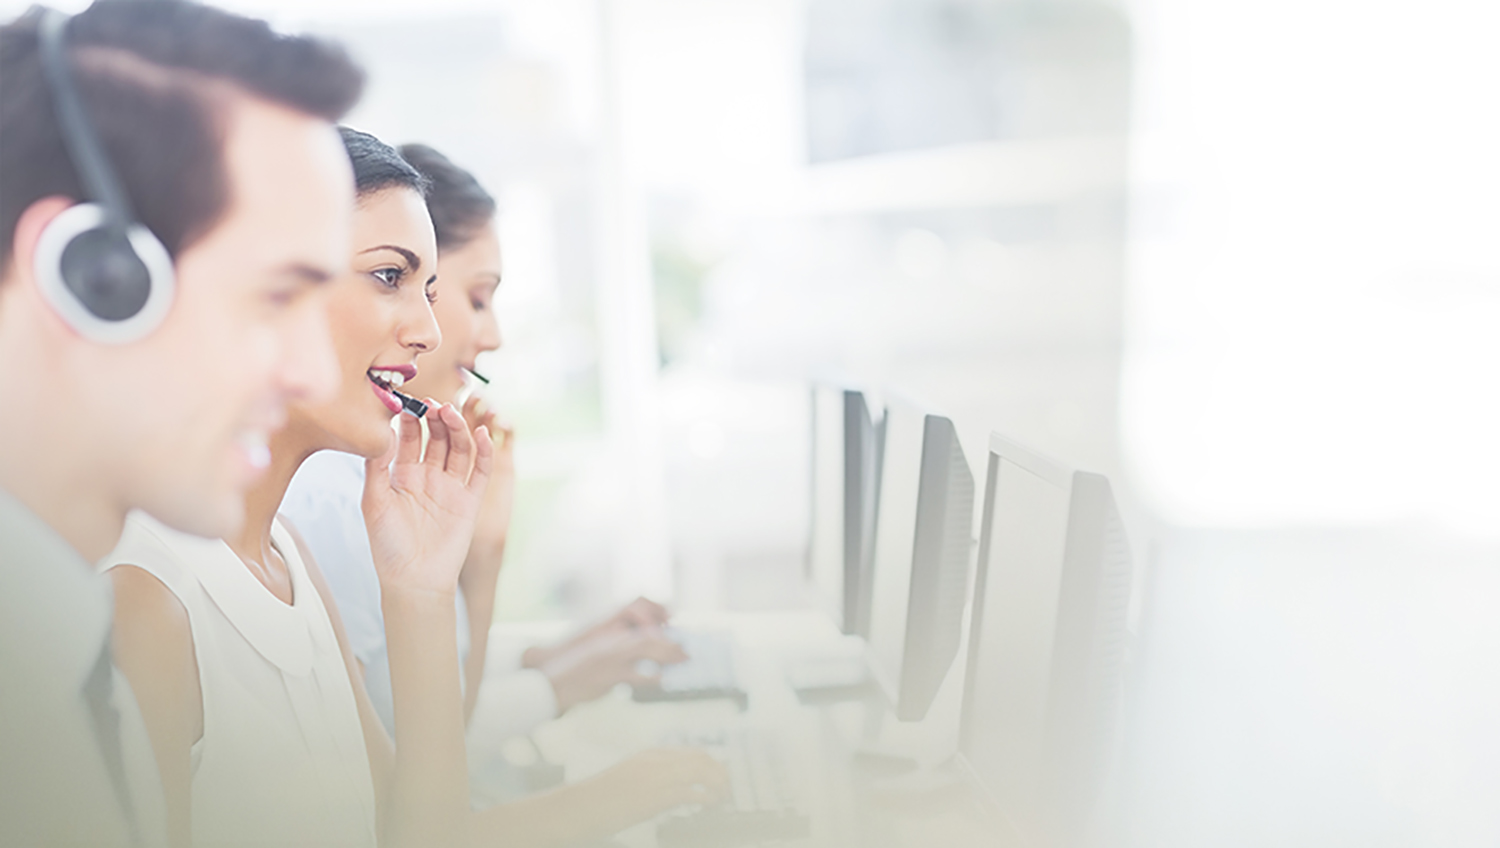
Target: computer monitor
(845,475)
(1046,646)
(921,559)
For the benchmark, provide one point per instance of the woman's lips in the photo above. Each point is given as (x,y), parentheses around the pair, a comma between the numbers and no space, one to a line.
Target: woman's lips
(385,396)
(383,378)
(393,375)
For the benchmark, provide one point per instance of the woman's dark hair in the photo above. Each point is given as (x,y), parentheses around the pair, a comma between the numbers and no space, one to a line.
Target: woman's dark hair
(147,72)
(459,206)
(378,166)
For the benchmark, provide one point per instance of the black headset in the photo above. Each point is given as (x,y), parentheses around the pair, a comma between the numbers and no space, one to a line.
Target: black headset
(106,275)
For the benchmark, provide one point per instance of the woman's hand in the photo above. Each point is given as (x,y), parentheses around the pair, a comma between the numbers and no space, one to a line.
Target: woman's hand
(588,670)
(641,614)
(627,793)
(419,512)
(493,524)
(481,571)
(420,509)
(658,779)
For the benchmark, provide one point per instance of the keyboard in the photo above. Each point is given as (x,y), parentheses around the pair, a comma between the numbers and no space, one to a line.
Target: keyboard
(707,673)
(762,806)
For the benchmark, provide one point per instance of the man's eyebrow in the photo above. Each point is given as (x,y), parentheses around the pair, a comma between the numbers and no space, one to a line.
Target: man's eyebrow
(307,273)
(413,261)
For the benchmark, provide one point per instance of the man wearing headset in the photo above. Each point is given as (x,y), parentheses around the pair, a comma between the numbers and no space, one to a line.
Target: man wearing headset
(172,196)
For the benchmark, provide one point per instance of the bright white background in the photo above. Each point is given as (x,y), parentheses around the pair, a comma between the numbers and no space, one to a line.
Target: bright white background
(1285,357)
(1315,281)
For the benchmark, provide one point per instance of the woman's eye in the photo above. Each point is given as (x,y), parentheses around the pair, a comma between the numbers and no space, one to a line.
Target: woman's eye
(389,277)
(431,294)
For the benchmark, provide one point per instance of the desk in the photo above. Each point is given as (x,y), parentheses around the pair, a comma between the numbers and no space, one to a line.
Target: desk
(849,806)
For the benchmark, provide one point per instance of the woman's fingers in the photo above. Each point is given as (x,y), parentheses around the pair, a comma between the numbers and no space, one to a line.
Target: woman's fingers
(695,776)
(437,436)
(474,412)
(408,440)
(644,612)
(709,778)
(484,460)
(460,443)
(378,469)
(650,645)
(477,414)
(712,776)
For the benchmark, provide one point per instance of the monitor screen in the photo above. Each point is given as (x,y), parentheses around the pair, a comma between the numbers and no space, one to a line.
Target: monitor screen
(895,538)
(1045,646)
(1010,670)
(923,548)
(826,546)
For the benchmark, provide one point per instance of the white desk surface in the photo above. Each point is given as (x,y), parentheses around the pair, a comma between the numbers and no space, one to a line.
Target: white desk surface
(847,806)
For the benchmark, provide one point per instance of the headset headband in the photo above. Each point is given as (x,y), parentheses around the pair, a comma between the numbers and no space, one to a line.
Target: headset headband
(83,144)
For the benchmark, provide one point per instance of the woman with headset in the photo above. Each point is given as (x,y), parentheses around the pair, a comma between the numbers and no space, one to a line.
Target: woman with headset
(253,700)
(323,503)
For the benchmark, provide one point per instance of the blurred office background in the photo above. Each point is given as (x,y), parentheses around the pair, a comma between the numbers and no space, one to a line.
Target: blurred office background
(1241,257)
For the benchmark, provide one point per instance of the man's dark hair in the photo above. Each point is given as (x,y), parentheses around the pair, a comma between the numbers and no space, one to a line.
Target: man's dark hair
(378,166)
(458,204)
(151,75)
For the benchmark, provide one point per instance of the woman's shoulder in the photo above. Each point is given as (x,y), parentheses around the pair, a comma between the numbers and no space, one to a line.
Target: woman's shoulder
(145,542)
(158,550)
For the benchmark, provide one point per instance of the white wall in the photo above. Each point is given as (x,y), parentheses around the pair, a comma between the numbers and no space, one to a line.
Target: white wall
(1314,282)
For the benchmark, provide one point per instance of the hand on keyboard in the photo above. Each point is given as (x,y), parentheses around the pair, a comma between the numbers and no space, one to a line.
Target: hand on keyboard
(760,804)
(641,614)
(707,673)
(633,791)
(594,666)
(655,781)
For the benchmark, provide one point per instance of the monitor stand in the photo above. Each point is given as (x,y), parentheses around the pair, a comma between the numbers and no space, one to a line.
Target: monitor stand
(830,680)
(874,755)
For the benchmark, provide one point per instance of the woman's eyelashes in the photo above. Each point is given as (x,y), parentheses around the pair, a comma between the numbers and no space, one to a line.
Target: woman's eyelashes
(392,276)
(480,297)
(389,276)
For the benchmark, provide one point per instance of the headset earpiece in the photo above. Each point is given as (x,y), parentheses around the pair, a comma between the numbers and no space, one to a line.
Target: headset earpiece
(104,273)
(111,285)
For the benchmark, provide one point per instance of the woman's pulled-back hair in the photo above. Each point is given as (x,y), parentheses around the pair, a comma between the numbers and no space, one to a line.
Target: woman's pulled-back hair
(377,165)
(459,206)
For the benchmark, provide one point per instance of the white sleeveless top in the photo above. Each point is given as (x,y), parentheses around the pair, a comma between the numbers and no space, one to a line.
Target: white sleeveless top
(282,758)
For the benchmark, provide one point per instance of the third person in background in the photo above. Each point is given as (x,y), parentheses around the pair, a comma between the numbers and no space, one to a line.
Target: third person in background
(323,503)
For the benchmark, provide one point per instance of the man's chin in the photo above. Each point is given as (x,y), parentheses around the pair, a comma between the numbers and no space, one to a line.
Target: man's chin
(217,516)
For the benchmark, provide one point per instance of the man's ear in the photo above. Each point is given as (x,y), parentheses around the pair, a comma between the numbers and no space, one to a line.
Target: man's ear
(29,230)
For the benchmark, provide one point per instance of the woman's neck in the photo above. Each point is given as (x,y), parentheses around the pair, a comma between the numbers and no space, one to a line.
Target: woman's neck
(289,449)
